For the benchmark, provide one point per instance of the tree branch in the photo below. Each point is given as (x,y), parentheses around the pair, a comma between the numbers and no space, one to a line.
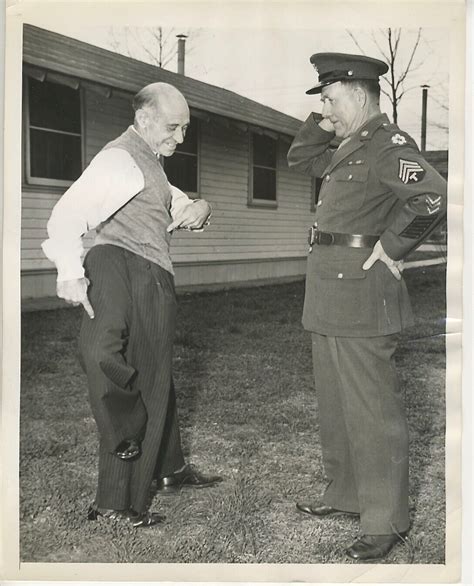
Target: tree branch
(355,41)
(408,67)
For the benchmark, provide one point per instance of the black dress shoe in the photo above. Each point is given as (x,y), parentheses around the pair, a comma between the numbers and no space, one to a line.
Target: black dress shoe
(189,477)
(373,547)
(94,513)
(137,520)
(323,510)
(145,519)
(128,449)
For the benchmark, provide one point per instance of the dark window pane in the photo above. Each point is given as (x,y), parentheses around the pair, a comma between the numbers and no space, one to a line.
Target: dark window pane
(264,151)
(181,171)
(55,156)
(190,144)
(264,184)
(54,106)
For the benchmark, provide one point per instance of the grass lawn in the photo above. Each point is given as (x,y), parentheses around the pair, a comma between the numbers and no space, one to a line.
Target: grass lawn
(248,411)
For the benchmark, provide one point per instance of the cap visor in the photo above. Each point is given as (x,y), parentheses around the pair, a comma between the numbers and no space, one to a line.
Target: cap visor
(316,89)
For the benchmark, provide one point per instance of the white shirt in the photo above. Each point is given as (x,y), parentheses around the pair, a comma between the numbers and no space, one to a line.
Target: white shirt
(107,184)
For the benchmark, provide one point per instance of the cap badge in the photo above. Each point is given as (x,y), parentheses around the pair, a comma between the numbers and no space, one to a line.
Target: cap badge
(398,139)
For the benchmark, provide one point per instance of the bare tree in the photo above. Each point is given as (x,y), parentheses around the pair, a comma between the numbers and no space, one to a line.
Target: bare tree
(389,44)
(156,45)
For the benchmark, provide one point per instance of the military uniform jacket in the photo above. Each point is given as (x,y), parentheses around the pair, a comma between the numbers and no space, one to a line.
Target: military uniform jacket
(375,183)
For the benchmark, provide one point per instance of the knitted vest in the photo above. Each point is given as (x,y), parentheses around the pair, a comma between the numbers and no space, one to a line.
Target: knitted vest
(140,225)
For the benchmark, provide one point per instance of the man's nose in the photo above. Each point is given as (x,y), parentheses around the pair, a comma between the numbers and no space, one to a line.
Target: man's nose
(326,110)
(178,135)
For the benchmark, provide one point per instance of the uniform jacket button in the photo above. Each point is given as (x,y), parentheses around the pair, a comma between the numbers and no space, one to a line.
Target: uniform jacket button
(328,177)
(350,177)
(340,275)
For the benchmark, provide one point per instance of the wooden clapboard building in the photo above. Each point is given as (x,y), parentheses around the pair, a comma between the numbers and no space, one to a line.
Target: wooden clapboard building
(77,97)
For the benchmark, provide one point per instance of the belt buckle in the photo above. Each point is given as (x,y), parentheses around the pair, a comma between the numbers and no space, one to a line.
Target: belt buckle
(325,238)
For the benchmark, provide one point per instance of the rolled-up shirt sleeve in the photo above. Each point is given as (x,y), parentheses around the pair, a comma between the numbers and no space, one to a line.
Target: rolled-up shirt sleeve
(108,183)
(179,201)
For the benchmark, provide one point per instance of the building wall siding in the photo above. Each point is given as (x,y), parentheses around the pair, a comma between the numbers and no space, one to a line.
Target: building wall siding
(237,230)
(242,242)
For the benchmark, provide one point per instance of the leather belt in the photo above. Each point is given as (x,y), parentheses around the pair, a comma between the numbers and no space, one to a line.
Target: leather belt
(339,239)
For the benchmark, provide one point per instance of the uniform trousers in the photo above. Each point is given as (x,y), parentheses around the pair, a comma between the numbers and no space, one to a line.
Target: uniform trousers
(126,352)
(363,430)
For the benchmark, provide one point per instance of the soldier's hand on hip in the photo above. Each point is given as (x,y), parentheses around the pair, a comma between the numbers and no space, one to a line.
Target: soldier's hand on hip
(378,253)
(74,292)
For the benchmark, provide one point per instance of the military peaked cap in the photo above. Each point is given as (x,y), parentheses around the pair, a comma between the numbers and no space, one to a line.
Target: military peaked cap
(332,67)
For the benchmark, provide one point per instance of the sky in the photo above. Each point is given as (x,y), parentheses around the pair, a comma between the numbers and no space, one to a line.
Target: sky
(272,65)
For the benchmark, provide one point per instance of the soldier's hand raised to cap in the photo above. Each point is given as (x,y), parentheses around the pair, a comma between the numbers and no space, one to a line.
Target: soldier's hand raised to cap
(74,292)
(378,253)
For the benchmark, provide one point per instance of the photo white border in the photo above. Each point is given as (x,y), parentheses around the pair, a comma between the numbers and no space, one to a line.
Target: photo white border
(294,14)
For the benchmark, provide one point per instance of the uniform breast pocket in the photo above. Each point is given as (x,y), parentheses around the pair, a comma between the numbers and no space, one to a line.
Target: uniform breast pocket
(350,187)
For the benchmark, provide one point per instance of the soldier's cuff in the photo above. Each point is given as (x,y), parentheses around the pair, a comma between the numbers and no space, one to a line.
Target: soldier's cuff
(392,245)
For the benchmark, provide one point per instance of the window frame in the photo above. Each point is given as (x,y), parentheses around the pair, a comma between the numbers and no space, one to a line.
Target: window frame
(46,181)
(191,194)
(255,201)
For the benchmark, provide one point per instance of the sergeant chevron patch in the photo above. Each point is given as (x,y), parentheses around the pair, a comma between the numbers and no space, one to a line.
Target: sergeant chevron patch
(410,171)
(433,204)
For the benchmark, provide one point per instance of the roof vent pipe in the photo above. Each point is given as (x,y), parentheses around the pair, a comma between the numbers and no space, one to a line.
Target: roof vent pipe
(181,52)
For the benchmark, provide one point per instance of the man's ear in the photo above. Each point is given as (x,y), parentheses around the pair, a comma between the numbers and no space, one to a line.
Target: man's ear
(361,95)
(142,118)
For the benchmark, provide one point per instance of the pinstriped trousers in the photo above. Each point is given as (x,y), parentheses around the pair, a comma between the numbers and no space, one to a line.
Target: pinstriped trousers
(126,352)
(363,430)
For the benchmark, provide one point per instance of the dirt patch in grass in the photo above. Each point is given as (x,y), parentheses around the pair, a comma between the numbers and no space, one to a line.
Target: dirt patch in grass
(248,411)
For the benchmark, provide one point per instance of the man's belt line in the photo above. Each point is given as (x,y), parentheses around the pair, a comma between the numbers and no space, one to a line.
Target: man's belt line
(338,239)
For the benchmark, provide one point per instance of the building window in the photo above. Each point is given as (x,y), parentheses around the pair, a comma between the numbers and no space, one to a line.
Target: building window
(263,170)
(316,183)
(53,133)
(182,168)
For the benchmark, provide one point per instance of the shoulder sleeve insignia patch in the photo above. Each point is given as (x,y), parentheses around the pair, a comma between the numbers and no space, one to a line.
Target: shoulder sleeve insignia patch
(398,139)
(410,171)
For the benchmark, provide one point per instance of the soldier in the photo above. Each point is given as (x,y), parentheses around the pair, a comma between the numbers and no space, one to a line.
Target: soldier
(127,290)
(379,199)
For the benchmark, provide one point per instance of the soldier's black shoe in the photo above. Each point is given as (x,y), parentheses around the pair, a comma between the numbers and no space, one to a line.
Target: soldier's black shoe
(189,477)
(323,510)
(128,450)
(137,520)
(373,547)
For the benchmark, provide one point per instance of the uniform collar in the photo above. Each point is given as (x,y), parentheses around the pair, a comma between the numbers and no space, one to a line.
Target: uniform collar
(366,131)
(357,140)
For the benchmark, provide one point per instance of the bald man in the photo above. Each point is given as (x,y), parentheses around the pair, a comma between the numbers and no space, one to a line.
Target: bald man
(126,288)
